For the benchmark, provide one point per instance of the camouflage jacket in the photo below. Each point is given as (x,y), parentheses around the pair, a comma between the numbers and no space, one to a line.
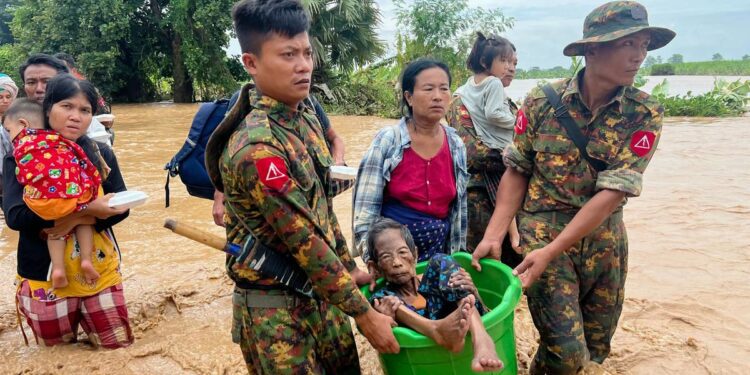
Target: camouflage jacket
(479,157)
(623,133)
(274,174)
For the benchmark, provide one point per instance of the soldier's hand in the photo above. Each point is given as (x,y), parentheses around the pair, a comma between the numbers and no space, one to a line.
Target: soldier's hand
(377,328)
(218,208)
(485,249)
(532,266)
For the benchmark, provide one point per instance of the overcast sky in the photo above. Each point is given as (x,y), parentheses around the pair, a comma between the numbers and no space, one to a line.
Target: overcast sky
(543,27)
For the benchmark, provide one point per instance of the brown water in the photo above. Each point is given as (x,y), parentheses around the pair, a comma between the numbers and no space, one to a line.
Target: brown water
(686,310)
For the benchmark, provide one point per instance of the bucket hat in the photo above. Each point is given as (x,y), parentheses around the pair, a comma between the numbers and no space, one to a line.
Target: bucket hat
(615,20)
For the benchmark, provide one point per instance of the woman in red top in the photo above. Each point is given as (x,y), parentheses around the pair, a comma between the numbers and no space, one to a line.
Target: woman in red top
(415,172)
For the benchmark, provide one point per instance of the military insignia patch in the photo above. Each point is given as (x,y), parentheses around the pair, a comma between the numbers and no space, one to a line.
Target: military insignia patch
(521,122)
(638,13)
(642,142)
(272,172)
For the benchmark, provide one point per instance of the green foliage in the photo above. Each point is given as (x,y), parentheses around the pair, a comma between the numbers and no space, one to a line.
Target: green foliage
(10,59)
(343,34)
(745,57)
(725,99)
(369,91)
(675,59)
(445,30)
(717,57)
(7,7)
(702,68)
(649,62)
(662,70)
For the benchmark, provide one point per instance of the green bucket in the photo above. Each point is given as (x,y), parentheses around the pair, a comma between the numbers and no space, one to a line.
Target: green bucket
(419,355)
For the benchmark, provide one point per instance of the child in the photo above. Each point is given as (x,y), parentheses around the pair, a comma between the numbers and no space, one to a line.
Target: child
(58,179)
(483,94)
(443,305)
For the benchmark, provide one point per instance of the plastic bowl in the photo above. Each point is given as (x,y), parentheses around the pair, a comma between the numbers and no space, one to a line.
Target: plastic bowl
(341,172)
(128,199)
(500,291)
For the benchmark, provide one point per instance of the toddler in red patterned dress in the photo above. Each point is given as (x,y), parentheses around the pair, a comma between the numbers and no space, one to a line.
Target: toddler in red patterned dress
(58,180)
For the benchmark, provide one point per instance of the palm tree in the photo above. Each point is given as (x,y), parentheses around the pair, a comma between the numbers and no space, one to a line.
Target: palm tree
(343,34)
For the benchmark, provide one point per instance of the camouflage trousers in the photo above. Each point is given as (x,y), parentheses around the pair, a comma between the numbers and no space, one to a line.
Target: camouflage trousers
(577,301)
(479,212)
(304,337)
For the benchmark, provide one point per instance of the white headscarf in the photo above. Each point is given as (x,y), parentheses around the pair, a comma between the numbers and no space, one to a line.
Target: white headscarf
(6,83)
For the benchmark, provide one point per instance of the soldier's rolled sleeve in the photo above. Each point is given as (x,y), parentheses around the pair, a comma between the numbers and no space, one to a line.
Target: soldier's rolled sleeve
(519,155)
(286,210)
(625,172)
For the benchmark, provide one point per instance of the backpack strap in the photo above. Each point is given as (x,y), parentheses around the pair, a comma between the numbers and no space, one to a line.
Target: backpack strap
(562,114)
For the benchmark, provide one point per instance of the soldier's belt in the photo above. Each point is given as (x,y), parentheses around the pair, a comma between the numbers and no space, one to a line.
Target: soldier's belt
(556,217)
(267,299)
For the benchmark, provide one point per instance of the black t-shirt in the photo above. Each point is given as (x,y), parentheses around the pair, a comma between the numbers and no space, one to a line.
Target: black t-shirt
(32,253)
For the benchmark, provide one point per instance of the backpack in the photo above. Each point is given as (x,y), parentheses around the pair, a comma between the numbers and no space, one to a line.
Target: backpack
(189,162)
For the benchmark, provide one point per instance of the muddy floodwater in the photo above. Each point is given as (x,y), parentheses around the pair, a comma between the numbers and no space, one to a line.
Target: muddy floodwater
(687,307)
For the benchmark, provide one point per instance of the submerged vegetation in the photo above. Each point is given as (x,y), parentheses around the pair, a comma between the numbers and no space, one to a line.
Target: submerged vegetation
(725,99)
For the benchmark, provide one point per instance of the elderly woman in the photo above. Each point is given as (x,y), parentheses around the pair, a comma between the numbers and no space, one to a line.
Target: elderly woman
(8,93)
(442,304)
(415,172)
(494,59)
(99,307)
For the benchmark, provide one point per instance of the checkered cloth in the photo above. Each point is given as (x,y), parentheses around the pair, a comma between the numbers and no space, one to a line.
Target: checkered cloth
(103,317)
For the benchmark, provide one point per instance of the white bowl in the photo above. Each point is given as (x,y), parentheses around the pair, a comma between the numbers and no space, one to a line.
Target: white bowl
(128,199)
(341,172)
(105,117)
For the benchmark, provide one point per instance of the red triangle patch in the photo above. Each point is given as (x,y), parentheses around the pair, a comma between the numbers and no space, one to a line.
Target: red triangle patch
(521,122)
(272,172)
(642,142)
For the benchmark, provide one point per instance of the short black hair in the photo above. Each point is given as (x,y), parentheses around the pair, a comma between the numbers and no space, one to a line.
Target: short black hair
(409,78)
(486,50)
(67,58)
(42,59)
(24,107)
(255,20)
(380,226)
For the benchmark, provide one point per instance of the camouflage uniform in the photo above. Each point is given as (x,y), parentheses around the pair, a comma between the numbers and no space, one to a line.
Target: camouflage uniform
(485,166)
(578,299)
(274,172)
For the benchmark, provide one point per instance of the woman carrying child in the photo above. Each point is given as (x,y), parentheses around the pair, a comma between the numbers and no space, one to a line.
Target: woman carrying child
(484,117)
(99,306)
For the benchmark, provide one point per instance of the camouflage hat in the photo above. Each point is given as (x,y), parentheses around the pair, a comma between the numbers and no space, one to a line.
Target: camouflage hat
(615,20)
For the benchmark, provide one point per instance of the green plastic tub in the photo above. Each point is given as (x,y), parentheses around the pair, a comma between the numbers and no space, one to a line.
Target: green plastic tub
(419,355)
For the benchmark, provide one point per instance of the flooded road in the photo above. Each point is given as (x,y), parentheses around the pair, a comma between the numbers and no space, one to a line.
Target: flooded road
(687,308)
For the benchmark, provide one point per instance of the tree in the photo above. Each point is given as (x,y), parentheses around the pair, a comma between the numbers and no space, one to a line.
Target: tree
(649,62)
(343,34)
(126,47)
(6,16)
(675,59)
(746,58)
(444,29)
(717,57)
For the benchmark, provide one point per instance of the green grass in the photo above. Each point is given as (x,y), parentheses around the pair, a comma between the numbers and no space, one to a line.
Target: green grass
(708,68)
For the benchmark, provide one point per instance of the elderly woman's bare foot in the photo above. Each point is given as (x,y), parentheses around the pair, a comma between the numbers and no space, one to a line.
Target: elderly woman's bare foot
(485,356)
(450,332)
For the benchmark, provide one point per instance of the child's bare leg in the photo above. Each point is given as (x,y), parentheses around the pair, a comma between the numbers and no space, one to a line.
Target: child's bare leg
(56,247)
(449,332)
(85,237)
(485,355)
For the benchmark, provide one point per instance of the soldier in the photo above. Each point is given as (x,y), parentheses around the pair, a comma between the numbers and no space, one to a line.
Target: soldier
(270,160)
(570,222)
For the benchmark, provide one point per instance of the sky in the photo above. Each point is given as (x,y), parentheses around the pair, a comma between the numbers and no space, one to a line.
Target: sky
(544,27)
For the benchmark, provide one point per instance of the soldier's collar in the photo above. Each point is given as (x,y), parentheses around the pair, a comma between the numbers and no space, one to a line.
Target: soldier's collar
(282,113)
(574,88)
